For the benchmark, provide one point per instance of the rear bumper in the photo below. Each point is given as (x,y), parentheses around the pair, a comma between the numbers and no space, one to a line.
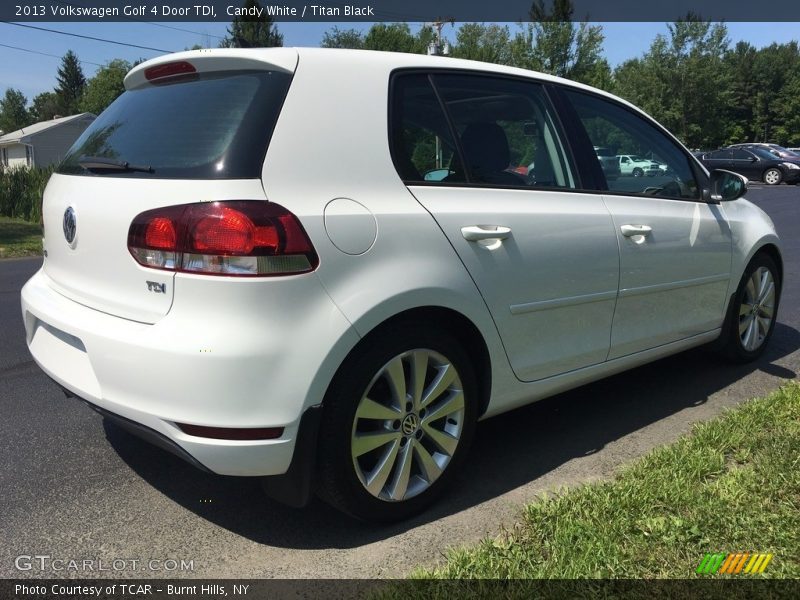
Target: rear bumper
(218,371)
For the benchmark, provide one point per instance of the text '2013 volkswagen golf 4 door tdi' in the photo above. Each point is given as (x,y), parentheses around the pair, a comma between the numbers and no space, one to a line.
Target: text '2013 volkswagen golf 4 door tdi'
(323,267)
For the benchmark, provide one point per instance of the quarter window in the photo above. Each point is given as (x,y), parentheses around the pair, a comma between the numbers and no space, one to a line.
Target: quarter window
(665,169)
(423,146)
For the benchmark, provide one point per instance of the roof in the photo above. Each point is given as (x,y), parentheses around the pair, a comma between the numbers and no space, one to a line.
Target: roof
(22,135)
(287,59)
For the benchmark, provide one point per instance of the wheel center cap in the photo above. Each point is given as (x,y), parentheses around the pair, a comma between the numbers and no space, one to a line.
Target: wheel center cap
(410,424)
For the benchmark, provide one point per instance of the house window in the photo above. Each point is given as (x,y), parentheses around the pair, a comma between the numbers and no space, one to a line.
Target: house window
(28,156)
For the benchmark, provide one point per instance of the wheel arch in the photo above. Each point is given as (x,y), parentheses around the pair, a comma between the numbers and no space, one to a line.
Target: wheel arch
(454,322)
(774,253)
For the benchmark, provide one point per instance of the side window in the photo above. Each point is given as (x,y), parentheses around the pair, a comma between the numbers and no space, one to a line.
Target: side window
(719,155)
(741,154)
(422,145)
(663,170)
(506,131)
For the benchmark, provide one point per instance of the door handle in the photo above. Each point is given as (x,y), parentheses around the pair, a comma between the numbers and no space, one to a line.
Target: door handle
(476,233)
(631,230)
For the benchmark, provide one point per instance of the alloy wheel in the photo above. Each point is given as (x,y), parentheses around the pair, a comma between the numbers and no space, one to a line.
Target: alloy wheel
(757,310)
(407,425)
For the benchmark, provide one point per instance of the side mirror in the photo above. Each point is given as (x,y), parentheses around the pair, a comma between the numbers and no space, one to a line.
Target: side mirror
(752,159)
(727,185)
(436,174)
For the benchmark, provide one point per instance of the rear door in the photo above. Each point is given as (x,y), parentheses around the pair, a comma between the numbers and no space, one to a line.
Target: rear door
(543,255)
(675,249)
(198,137)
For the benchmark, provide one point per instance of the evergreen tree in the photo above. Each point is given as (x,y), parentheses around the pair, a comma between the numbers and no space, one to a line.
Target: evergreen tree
(71,83)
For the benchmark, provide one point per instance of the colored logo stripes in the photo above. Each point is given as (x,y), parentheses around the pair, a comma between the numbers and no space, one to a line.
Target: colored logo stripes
(734,563)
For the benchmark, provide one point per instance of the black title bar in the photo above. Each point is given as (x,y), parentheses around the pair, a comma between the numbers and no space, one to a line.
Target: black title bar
(416,11)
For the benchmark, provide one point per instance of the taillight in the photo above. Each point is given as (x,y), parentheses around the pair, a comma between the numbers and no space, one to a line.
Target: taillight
(241,238)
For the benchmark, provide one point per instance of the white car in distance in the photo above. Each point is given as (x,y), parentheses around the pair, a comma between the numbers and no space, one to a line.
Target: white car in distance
(245,264)
(637,166)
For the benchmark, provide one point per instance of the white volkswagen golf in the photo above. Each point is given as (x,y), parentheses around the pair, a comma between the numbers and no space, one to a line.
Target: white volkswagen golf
(323,267)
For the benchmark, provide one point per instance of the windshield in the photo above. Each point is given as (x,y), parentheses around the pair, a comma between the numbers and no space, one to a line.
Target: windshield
(215,126)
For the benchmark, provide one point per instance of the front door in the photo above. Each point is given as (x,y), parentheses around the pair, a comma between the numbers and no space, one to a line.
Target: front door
(675,249)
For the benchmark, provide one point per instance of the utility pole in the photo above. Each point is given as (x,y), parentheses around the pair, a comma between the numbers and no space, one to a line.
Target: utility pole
(440,47)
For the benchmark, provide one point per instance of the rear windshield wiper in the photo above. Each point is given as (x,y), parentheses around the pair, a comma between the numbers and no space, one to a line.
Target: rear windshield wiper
(100,162)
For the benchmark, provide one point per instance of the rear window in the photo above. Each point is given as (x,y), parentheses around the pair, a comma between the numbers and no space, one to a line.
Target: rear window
(214,126)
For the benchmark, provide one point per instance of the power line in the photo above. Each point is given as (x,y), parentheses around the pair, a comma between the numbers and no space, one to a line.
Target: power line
(149,22)
(86,62)
(87,37)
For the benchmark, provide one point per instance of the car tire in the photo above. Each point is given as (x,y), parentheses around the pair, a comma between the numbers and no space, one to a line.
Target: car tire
(773,176)
(752,312)
(637,172)
(380,460)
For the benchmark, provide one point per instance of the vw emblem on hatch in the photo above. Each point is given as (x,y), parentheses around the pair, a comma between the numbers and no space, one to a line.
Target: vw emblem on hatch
(70,225)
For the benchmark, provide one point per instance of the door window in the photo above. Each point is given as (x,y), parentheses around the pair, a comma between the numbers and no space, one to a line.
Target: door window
(506,132)
(608,124)
(737,154)
(497,132)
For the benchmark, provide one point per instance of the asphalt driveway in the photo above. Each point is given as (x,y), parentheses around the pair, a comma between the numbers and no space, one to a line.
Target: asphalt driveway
(74,488)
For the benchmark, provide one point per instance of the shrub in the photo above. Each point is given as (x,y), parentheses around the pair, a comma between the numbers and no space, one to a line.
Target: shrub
(21,192)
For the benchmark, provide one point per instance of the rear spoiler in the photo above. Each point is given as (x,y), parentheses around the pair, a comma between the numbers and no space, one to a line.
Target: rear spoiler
(216,60)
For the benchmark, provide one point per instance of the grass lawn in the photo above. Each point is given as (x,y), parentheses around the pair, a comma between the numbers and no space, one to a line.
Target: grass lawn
(19,238)
(733,485)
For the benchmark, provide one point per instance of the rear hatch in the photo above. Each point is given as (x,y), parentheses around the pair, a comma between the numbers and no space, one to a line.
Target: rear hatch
(191,127)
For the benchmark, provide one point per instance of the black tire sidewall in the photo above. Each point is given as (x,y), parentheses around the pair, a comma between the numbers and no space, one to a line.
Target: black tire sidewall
(340,485)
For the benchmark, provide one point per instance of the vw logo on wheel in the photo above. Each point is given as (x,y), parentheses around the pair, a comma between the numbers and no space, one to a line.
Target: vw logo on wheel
(70,225)
(410,424)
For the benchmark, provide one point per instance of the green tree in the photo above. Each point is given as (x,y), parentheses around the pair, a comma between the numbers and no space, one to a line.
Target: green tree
(251,31)
(553,43)
(683,82)
(397,37)
(45,107)
(773,70)
(106,85)
(740,63)
(487,43)
(342,38)
(71,83)
(787,104)
(13,114)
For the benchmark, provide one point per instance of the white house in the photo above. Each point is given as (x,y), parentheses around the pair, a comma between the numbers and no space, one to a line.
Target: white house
(43,143)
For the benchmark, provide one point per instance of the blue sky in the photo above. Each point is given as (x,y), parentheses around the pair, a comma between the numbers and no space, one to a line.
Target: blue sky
(33,73)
